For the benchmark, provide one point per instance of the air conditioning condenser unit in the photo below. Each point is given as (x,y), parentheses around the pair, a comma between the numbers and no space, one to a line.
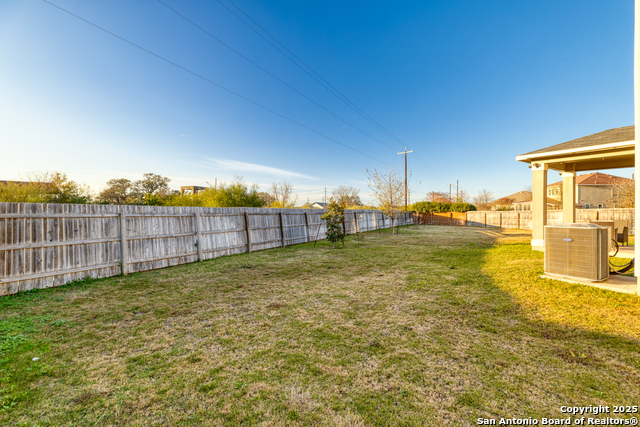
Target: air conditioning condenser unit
(577,251)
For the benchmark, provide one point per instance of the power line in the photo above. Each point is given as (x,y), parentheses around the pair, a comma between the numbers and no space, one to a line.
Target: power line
(214,83)
(318,79)
(330,87)
(271,74)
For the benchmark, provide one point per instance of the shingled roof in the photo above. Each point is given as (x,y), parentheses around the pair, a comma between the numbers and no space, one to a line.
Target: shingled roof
(596,178)
(623,134)
(519,197)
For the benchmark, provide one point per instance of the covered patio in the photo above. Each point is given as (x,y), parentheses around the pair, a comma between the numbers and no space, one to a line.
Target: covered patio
(610,149)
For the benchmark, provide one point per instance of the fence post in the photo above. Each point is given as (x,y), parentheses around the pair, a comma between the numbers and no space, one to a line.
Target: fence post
(518,220)
(485,219)
(355,216)
(284,241)
(344,226)
(246,220)
(306,223)
(199,238)
(123,245)
(500,223)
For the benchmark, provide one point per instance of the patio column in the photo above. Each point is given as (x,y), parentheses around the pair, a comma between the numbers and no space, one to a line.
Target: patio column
(539,205)
(636,95)
(568,197)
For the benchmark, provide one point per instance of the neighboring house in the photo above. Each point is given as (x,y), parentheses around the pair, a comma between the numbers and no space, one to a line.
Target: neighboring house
(511,202)
(191,189)
(593,190)
(315,205)
(552,205)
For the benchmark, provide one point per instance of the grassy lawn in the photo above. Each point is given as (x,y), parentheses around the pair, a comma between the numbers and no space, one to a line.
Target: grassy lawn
(437,326)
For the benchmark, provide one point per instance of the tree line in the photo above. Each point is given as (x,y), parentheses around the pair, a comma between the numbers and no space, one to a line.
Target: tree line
(154,190)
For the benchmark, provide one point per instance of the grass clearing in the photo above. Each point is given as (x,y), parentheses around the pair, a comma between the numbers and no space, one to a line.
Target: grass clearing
(436,326)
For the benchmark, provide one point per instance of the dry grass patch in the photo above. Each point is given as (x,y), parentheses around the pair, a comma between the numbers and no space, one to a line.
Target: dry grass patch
(437,326)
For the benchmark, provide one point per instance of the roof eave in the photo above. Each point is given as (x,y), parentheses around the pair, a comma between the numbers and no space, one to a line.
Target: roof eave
(528,157)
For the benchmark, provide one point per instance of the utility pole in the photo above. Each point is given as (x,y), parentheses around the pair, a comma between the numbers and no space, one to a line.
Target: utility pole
(405,176)
(325,194)
(457,193)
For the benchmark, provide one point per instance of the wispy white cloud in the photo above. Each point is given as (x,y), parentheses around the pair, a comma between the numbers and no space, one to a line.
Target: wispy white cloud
(233,165)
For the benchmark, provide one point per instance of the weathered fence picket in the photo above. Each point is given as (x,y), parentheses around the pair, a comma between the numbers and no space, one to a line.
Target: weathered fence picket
(47,245)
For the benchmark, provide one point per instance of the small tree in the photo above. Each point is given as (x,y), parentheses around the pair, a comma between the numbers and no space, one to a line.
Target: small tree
(152,189)
(334,219)
(118,192)
(388,190)
(234,194)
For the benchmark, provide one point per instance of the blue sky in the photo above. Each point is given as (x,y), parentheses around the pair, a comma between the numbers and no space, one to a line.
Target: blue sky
(467,85)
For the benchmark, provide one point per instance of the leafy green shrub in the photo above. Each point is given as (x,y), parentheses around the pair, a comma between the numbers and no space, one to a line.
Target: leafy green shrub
(438,207)
(334,218)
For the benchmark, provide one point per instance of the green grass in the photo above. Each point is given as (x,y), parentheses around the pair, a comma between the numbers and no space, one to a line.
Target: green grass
(436,326)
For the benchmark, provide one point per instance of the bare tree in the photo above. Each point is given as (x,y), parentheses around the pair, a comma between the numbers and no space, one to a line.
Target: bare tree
(437,196)
(347,196)
(282,193)
(623,194)
(482,200)
(463,197)
(388,190)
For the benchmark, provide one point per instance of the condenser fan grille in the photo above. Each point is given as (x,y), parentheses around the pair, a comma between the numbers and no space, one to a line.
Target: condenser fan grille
(576,251)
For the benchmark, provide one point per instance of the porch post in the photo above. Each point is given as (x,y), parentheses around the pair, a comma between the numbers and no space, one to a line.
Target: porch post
(568,197)
(539,205)
(636,81)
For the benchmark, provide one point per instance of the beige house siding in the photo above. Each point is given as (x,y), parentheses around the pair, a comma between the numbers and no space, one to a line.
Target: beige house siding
(596,196)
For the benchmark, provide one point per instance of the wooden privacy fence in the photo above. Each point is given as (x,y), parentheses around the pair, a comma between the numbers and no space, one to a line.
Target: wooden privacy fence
(47,245)
(522,219)
(444,218)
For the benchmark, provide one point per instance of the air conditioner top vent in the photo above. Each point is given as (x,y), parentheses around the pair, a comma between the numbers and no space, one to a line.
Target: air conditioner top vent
(572,225)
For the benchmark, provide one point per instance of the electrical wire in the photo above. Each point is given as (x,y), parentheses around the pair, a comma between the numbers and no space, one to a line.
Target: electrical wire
(271,74)
(214,83)
(326,84)
(318,79)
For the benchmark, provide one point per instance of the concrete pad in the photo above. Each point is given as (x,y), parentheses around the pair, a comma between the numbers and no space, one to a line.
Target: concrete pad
(616,283)
(628,252)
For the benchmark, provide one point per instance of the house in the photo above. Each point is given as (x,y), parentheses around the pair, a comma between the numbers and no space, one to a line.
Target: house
(511,202)
(191,189)
(315,205)
(520,201)
(593,190)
